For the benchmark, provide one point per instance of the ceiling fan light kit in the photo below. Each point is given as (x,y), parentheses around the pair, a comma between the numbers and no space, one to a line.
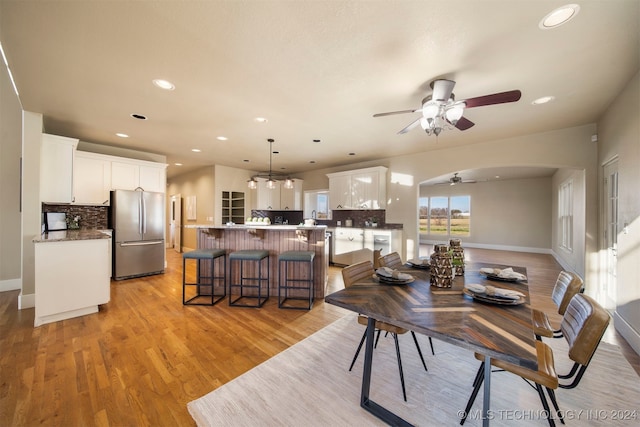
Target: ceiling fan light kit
(441,111)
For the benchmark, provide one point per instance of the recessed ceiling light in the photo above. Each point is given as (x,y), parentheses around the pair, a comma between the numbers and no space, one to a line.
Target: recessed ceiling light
(196,150)
(543,100)
(221,138)
(312,161)
(164,84)
(497,176)
(352,154)
(559,16)
(138,116)
(246,160)
(316,140)
(122,135)
(261,120)
(178,164)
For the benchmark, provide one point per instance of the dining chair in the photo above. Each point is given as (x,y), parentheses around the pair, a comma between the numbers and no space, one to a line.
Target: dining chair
(567,285)
(364,271)
(391,260)
(583,325)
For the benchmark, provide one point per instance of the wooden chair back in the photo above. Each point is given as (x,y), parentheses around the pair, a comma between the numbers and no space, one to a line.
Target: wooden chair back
(567,285)
(362,271)
(391,260)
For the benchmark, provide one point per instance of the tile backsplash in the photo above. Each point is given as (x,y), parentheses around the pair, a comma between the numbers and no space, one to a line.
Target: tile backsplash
(91,217)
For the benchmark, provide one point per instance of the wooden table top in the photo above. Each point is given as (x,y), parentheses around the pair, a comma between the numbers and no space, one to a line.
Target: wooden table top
(500,331)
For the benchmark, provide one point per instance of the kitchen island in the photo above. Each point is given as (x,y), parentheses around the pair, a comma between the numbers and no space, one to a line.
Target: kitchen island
(275,239)
(72,277)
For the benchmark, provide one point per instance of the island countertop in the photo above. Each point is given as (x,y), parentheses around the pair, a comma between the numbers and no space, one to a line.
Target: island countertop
(274,227)
(68,235)
(276,239)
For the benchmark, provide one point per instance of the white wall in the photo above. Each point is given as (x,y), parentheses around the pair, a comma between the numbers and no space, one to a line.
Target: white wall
(619,135)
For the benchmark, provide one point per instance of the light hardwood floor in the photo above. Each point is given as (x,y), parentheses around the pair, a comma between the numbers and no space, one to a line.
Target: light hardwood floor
(145,355)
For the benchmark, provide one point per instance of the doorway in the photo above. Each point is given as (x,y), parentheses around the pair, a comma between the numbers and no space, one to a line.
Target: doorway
(610,233)
(175,222)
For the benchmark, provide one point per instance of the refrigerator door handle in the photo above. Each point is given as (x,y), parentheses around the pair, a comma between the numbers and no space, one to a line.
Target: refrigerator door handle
(144,215)
(140,215)
(155,242)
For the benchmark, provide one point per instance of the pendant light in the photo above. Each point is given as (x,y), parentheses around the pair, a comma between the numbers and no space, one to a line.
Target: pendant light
(271,183)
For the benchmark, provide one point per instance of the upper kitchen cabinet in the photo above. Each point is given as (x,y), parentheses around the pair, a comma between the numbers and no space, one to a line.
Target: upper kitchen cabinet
(358,189)
(129,174)
(267,198)
(92,179)
(56,168)
(291,198)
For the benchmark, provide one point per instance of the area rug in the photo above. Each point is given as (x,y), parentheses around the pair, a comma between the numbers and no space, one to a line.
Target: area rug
(309,385)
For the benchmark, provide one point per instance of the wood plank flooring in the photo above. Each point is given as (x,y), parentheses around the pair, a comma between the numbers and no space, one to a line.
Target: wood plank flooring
(145,355)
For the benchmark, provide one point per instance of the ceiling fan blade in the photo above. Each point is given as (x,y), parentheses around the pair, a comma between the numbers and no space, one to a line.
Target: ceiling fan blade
(394,112)
(496,98)
(410,126)
(464,123)
(442,89)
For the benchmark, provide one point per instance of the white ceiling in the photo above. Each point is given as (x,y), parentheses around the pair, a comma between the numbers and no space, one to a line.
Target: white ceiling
(314,69)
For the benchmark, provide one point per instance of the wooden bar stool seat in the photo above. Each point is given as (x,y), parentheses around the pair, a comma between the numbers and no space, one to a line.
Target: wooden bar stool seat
(292,284)
(255,285)
(206,278)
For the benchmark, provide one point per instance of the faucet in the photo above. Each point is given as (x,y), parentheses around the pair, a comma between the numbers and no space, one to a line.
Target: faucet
(313,214)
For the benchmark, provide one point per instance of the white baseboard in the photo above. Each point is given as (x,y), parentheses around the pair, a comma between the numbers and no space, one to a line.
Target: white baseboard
(10,285)
(494,247)
(26,301)
(627,332)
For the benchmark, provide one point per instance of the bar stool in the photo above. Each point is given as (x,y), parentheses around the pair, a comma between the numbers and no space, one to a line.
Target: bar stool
(287,284)
(252,283)
(203,255)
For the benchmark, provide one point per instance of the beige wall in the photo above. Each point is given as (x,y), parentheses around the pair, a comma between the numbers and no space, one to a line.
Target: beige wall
(207,184)
(10,153)
(619,136)
(506,214)
(31,207)
(569,148)
(201,184)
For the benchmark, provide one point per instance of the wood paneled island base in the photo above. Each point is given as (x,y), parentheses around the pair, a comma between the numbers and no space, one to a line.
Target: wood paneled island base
(275,239)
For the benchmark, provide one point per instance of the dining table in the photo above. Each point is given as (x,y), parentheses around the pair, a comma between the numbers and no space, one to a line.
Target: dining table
(493,327)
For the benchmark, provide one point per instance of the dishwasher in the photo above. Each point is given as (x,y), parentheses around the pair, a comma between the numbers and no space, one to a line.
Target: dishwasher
(347,243)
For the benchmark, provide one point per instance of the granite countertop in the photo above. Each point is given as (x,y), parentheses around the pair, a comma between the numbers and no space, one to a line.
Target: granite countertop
(259,227)
(68,235)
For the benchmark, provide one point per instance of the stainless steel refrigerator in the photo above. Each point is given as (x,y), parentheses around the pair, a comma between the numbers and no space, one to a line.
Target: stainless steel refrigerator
(137,220)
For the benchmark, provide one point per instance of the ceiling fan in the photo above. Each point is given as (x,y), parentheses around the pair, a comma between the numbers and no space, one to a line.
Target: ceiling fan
(455,179)
(440,110)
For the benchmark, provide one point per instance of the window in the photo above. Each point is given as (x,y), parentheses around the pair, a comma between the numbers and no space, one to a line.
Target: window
(445,216)
(565,215)
(316,204)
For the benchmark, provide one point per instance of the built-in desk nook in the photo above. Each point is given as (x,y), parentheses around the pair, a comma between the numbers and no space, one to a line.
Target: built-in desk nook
(276,239)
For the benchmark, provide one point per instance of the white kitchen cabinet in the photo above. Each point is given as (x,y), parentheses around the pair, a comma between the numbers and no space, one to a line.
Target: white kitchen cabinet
(91,179)
(340,191)
(291,198)
(153,178)
(71,278)
(358,189)
(268,199)
(130,174)
(56,168)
